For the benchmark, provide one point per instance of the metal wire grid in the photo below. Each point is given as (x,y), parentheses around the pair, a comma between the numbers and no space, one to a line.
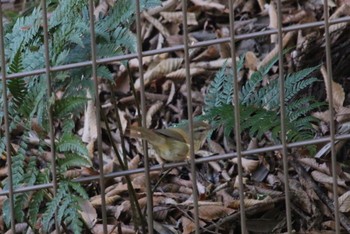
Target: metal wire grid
(140,54)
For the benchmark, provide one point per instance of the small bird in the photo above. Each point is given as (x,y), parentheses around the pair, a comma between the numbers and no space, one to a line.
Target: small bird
(172,144)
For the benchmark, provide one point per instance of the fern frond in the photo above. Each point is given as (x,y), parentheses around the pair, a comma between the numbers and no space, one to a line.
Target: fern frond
(66,203)
(52,206)
(34,206)
(214,88)
(69,105)
(33,101)
(17,86)
(301,107)
(24,31)
(66,12)
(268,96)
(299,75)
(68,125)
(16,65)
(69,143)
(105,73)
(73,160)
(18,164)
(263,121)
(123,37)
(259,106)
(78,189)
(292,91)
(250,88)
(121,14)
(19,202)
(108,50)
(60,58)
(73,219)
(32,171)
(146,4)
(220,90)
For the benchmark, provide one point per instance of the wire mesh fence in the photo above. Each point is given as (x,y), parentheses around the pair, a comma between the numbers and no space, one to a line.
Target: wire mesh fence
(50,69)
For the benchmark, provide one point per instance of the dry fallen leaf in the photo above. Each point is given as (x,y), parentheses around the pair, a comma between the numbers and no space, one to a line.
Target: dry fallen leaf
(114,229)
(88,213)
(338,94)
(235,204)
(208,5)
(96,200)
(273,21)
(324,115)
(251,62)
(152,110)
(249,165)
(312,162)
(211,213)
(163,68)
(324,178)
(343,115)
(214,64)
(189,226)
(181,73)
(90,129)
(163,30)
(169,85)
(344,202)
(176,17)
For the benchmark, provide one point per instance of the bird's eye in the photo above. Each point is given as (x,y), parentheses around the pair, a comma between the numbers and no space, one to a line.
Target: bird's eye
(201,129)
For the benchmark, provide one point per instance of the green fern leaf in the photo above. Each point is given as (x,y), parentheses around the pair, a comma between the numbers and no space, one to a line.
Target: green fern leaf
(220,90)
(249,89)
(64,205)
(292,91)
(18,166)
(77,188)
(52,206)
(34,206)
(69,105)
(73,160)
(104,72)
(68,125)
(73,220)
(72,144)
(17,86)
(16,65)
(300,108)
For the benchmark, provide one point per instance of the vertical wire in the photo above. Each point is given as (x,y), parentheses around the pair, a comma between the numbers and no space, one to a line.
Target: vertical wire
(190,119)
(237,116)
(143,111)
(283,116)
(50,115)
(98,114)
(331,110)
(7,128)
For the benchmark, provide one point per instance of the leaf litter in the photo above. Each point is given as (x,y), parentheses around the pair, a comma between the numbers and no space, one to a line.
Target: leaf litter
(310,178)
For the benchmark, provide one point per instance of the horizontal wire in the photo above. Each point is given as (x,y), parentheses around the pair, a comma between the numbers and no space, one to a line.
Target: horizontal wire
(176,48)
(178,164)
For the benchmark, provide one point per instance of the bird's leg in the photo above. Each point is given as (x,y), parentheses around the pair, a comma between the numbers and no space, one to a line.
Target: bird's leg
(162,167)
(188,161)
(161,163)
